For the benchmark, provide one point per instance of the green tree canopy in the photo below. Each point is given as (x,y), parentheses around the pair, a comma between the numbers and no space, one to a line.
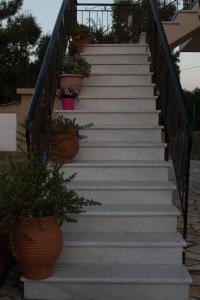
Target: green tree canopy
(21,49)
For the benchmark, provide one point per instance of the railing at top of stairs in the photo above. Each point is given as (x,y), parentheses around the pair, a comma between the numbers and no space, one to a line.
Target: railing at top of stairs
(171,98)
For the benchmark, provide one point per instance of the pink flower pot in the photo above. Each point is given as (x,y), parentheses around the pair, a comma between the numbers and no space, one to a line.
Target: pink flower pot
(68,103)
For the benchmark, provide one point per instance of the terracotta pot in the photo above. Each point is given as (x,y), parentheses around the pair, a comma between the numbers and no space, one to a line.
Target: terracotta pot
(80,44)
(71,81)
(63,145)
(38,254)
(68,103)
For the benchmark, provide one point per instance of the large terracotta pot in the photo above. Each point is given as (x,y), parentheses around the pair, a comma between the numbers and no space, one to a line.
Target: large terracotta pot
(63,145)
(38,254)
(71,81)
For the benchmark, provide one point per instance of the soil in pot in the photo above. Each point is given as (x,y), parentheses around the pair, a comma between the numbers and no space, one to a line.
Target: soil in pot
(68,103)
(38,254)
(63,145)
(71,81)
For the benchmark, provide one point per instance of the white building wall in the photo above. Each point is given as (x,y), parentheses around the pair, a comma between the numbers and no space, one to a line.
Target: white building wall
(8,127)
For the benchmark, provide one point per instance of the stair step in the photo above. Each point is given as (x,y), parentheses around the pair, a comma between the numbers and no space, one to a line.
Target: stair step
(136,68)
(119,58)
(132,104)
(123,133)
(112,117)
(118,170)
(115,48)
(121,91)
(112,281)
(97,151)
(126,193)
(126,218)
(145,248)
(116,79)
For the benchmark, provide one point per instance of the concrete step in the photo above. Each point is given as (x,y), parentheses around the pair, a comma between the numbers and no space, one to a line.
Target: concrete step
(126,133)
(125,117)
(102,91)
(125,218)
(105,59)
(125,193)
(116,79)
(98,151)
(133,68)
(122,248)
(118,170)
(115,48)
(112,282)
(132,104)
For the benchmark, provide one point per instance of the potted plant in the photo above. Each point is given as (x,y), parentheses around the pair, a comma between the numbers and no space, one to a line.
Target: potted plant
(81,35)
(68,98)
(73,70)
(35,201)
(63,139)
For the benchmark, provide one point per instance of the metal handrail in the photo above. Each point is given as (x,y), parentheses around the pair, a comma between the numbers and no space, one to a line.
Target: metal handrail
(172,103)
(45,89)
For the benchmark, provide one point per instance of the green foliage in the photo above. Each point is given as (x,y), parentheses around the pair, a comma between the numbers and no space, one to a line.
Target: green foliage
(128,20)
(36,189)
(80,32)
(72,49)
(76,65)
(9,8)
(69,93)
(193,104)
(102,35)
(20,44)
(64,123)
(167,12)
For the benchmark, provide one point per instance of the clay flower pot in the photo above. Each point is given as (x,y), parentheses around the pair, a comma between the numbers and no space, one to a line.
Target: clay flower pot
(63,145)
(70,81)
(80,44)
(68,103)
(38,254)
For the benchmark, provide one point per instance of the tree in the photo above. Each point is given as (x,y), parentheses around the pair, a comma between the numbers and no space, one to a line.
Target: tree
(129,17)
(19,34)
(193,104)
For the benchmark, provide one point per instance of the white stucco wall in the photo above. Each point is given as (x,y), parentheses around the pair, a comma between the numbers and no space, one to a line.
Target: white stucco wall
(8,127)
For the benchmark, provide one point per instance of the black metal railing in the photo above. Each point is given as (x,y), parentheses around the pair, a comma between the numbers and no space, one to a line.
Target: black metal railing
(100,14)
(45,90)
(172,103)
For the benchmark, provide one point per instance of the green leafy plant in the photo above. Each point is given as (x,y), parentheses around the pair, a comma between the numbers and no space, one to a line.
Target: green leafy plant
(68,93)
(72,49)
(35,189)
(81,32)
(76,65)
(64,123)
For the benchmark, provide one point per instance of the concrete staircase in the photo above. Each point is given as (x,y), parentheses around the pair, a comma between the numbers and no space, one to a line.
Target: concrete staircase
(129,247)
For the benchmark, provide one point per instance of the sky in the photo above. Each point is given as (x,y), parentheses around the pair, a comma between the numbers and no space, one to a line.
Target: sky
(46,12)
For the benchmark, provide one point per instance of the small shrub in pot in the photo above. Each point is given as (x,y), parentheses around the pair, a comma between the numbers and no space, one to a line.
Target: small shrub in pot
(34,202)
